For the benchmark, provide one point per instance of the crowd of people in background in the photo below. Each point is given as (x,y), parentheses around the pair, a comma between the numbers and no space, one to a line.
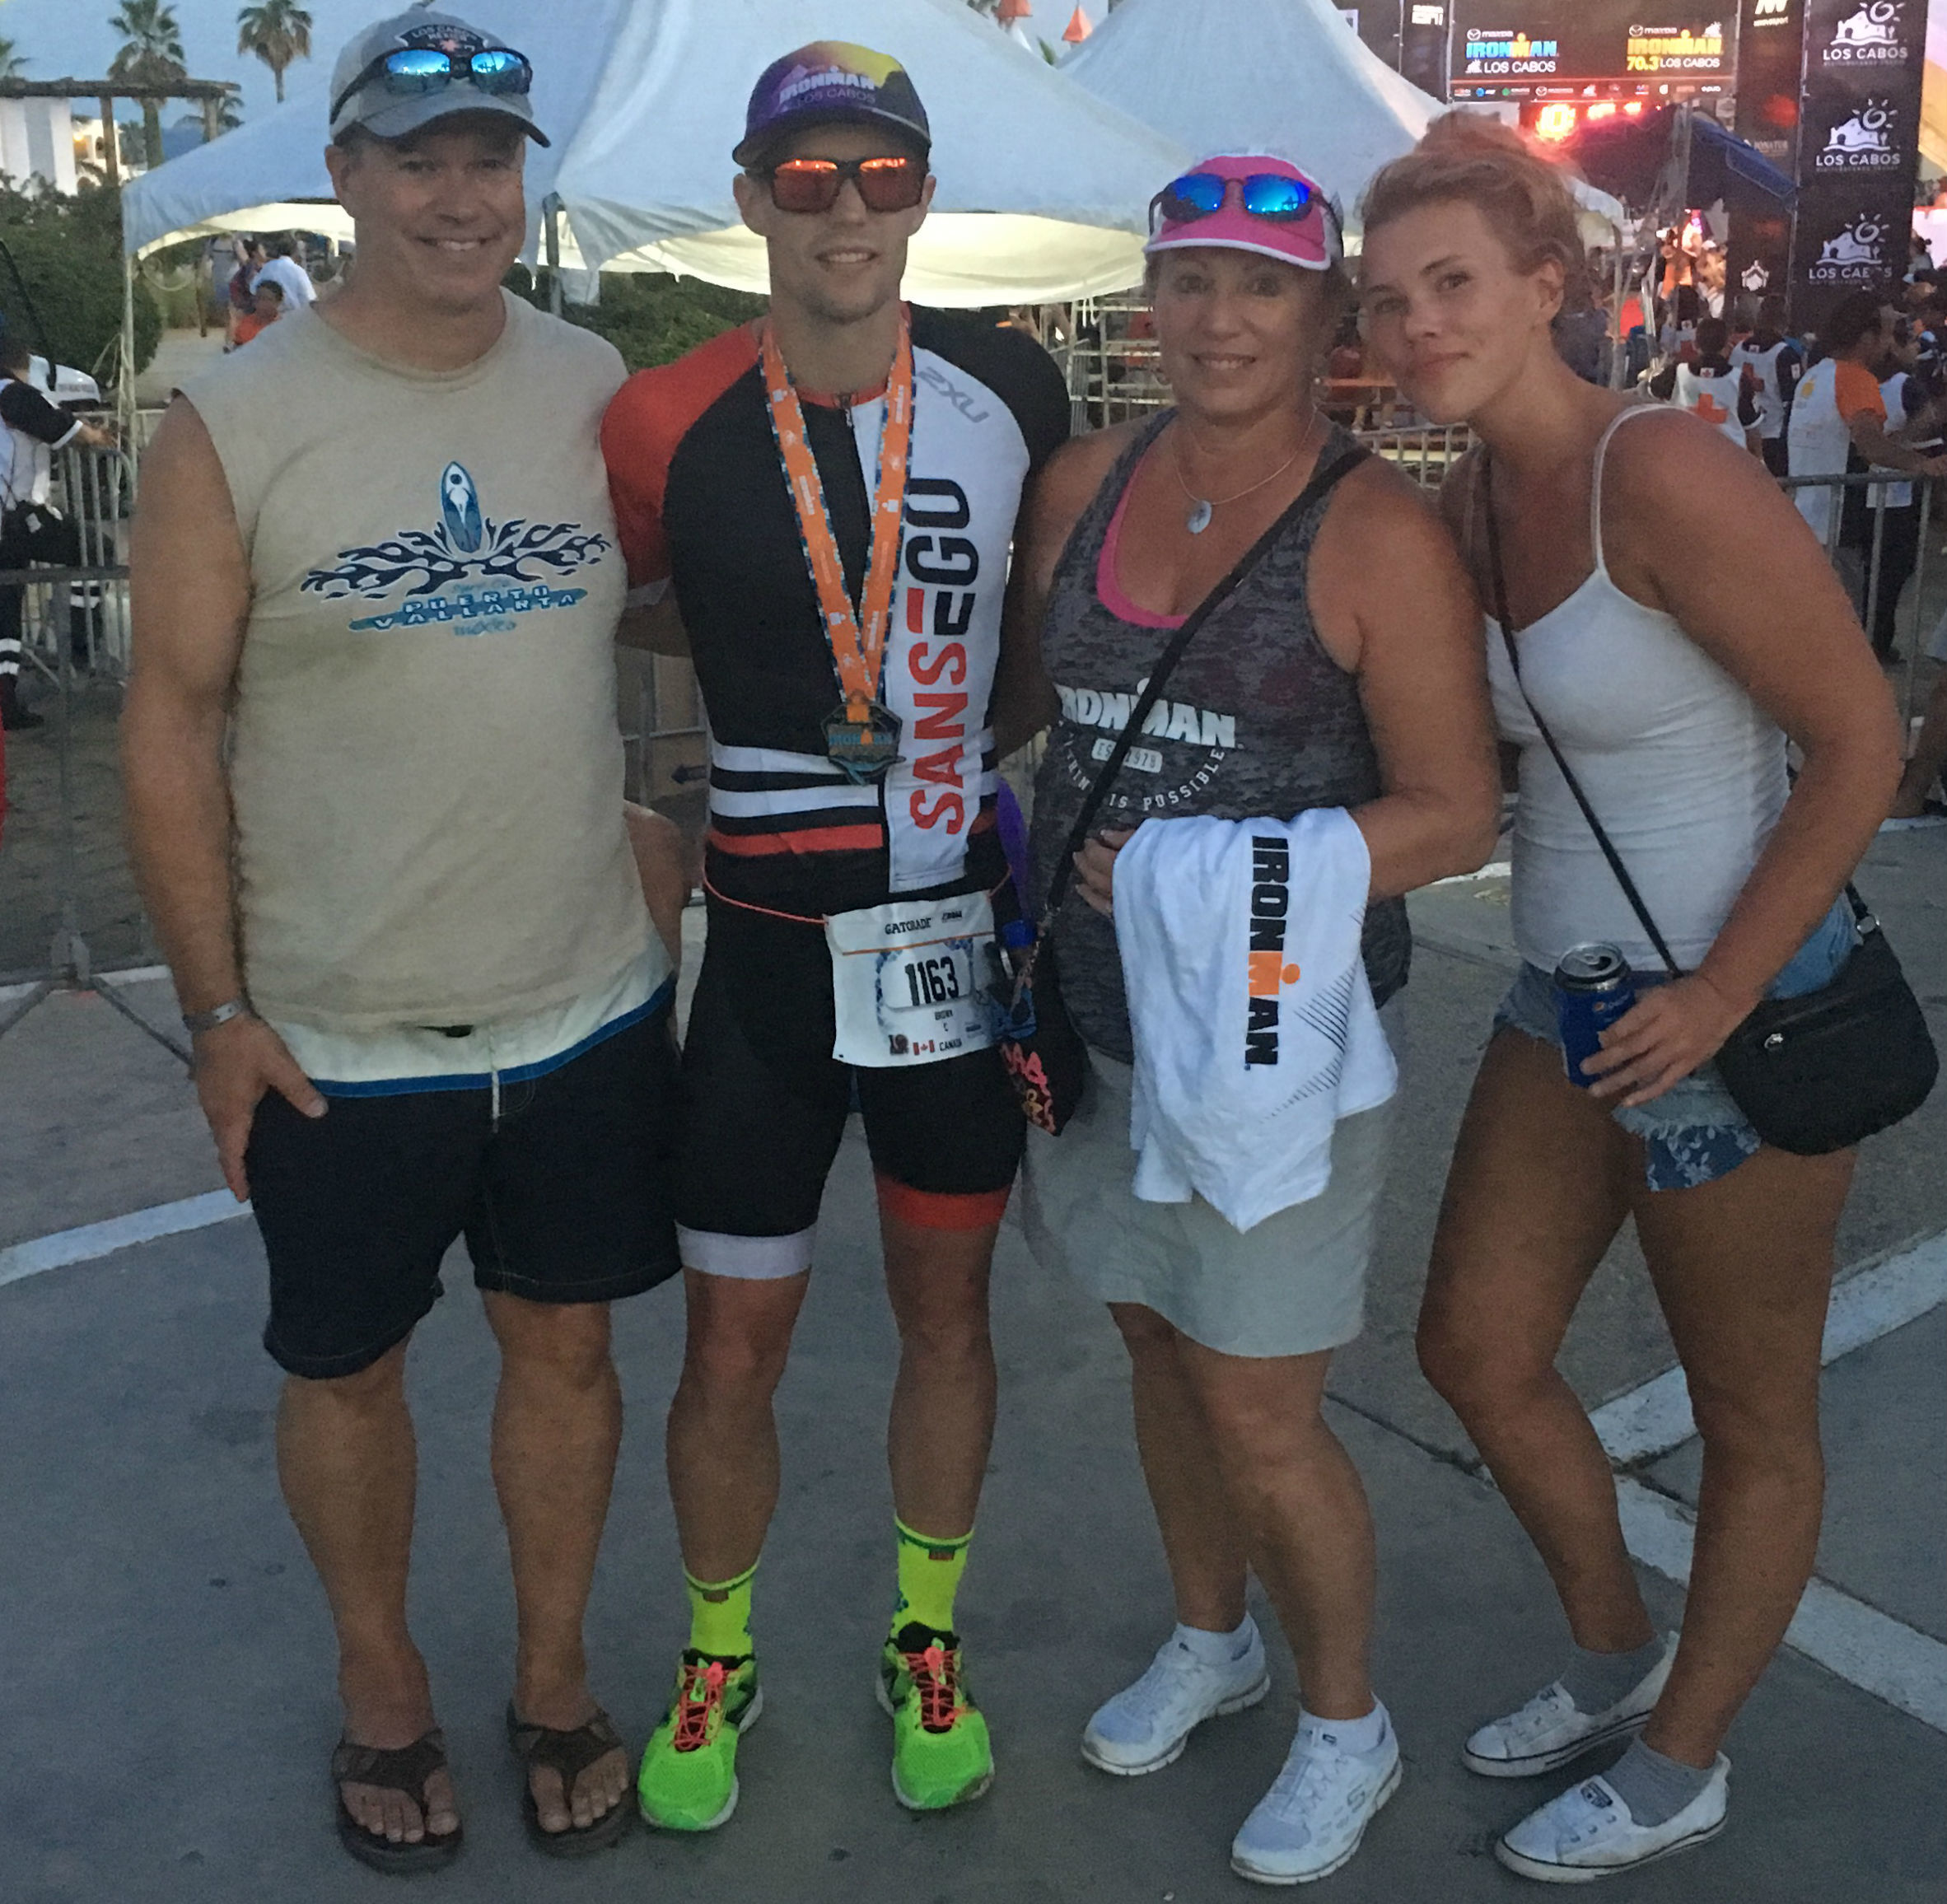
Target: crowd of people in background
(1867,393)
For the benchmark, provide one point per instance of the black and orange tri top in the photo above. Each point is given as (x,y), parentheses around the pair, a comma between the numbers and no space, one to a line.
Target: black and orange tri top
(703,506)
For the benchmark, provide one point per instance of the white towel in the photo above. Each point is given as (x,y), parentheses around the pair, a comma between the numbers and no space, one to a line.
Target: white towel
(1255,1026)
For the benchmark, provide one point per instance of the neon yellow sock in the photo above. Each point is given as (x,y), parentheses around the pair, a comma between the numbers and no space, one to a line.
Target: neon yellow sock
(930,1572)
(720,1615)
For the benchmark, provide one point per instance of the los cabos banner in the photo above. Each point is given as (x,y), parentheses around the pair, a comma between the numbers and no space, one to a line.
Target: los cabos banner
(1858,148)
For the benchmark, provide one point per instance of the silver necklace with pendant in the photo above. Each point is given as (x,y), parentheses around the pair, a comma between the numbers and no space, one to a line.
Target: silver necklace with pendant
(1203,508)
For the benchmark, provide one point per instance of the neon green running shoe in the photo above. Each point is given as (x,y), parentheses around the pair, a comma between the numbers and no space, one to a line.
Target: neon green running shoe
(688,1779)
(942,1755)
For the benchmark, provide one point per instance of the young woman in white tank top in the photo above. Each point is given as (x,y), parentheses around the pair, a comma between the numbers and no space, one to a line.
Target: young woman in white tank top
(1670,665)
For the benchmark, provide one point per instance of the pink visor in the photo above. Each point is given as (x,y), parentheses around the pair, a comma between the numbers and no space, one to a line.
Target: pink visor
(1262,205)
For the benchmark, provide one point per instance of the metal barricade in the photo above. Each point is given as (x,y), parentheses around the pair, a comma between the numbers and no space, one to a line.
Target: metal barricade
(1869,548)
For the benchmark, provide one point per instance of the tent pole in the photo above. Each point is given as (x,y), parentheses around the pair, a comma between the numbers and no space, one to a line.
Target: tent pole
(125,396)
(551,238)
(1618,353)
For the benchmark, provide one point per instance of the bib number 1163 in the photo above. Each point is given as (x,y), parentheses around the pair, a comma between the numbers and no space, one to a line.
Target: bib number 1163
(932,981)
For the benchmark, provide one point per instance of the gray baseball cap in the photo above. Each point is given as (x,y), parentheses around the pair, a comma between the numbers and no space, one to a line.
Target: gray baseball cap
(390,103)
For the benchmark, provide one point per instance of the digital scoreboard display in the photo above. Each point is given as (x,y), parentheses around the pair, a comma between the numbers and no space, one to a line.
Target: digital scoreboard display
(1544,49)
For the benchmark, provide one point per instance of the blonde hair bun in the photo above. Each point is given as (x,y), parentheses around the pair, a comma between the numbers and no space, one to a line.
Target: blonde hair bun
(1472,158)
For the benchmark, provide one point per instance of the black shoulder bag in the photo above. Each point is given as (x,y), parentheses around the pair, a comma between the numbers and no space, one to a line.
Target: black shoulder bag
(1042,1049)
(1813,1073)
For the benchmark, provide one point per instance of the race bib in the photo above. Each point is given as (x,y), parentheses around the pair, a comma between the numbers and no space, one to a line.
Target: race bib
(913,981)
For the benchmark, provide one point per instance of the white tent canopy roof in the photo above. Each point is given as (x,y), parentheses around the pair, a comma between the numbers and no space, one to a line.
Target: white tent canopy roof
(256,178)
(1043,189)
(1282,75)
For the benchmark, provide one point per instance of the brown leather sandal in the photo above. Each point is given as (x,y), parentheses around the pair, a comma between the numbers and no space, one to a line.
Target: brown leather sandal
(567,1754)
(405,1768)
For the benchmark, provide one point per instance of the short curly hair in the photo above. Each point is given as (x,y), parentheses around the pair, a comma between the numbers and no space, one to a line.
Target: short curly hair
(1469,158)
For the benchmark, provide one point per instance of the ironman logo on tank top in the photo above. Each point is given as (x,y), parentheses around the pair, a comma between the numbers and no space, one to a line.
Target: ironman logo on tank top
(969,463)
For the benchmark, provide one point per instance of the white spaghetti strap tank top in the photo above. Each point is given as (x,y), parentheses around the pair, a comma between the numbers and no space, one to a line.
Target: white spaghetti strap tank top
(1685,770)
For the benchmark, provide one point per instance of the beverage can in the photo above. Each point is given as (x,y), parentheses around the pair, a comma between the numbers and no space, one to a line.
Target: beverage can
(1594,988)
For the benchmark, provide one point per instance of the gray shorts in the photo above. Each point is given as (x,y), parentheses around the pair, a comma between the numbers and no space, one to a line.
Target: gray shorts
(1294,1285)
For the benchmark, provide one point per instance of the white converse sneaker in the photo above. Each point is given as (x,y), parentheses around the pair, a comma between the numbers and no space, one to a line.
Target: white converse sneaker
(1587,1833)
(1311,1820)
(1145,1726)
(1549,1731)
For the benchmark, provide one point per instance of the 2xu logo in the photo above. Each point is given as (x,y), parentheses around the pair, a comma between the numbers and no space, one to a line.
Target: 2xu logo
(1268,974)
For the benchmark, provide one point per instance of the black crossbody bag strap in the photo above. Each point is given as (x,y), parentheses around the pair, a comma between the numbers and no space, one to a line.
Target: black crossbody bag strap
(1324,479)
(1497,580)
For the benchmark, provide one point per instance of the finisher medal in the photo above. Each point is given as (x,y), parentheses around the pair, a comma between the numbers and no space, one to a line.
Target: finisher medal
(862,733)
(864,740)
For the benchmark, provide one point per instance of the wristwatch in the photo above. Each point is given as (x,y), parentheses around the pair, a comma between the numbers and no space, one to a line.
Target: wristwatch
(196,1021)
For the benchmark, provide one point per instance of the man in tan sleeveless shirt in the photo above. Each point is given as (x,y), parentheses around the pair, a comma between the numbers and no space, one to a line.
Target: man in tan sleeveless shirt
(376,554)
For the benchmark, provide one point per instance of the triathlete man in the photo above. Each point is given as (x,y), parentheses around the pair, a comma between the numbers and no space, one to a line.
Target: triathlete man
(820,507)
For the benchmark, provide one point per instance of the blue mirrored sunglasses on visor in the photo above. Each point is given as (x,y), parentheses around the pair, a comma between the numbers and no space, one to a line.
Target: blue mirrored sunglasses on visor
(1273,196)
(407,70)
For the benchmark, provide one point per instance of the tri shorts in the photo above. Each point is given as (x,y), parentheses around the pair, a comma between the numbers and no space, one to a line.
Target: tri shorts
(764,1105)
(562,1193)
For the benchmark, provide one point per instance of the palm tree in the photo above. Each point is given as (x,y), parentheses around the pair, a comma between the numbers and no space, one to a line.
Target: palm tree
(152,54)
(12,65)
(279,32)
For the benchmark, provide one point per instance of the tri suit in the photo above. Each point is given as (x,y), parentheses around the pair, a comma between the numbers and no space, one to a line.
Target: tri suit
(704,507)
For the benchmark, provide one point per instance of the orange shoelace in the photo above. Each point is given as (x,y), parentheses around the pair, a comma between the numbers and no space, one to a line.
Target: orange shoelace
(934,1674)
(699,1695)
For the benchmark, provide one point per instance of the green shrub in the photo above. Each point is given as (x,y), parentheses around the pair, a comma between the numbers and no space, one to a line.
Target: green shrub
(651,318)
(68,253)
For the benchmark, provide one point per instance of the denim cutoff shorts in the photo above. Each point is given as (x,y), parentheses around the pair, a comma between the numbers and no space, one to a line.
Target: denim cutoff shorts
(1694,1133)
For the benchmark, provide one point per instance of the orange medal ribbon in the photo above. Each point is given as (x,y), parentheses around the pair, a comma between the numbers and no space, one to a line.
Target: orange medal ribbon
(863,734)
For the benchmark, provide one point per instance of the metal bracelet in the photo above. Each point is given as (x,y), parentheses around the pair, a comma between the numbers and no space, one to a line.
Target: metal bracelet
(196,1021)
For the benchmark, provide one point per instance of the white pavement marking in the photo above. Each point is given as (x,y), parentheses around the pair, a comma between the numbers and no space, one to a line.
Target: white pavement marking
(1869,1648)
(93,1239)
(1654,1418)
(134,975)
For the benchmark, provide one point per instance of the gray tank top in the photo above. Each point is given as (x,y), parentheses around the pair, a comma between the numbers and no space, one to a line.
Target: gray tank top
(1257,719)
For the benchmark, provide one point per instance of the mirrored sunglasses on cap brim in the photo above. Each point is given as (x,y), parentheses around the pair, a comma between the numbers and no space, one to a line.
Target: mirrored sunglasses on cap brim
(407,71)
(1275,197)
(885,184)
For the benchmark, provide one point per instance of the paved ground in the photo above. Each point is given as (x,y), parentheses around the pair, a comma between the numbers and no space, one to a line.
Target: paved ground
(166,1671)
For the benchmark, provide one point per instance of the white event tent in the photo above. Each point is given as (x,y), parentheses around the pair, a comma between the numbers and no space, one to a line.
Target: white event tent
(1283,76)
(1042,194)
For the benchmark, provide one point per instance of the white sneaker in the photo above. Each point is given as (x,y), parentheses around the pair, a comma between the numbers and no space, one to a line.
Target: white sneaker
(1549,1731)
(1145,1726)
(1587,1833)
(1311,1820)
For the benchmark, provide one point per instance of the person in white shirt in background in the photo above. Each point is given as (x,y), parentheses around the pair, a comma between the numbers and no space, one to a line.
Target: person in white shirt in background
(1888,513)
(31,429)
(1776,362)
(285,268)
(1712,389)
(1710,279)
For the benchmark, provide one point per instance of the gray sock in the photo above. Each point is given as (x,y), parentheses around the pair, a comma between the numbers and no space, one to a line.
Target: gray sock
(1655,1788)
(1597,1681)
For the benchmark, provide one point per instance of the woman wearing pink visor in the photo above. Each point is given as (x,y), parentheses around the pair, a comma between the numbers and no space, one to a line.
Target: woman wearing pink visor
(1344,670)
